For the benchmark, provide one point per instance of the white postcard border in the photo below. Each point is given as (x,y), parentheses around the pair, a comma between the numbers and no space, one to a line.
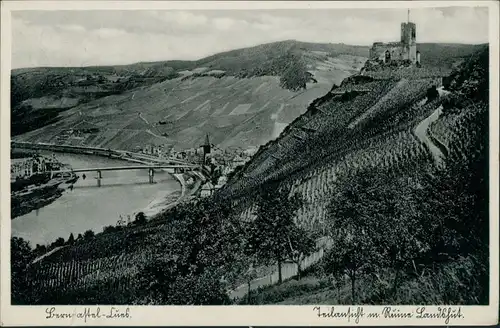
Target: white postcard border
(305,315)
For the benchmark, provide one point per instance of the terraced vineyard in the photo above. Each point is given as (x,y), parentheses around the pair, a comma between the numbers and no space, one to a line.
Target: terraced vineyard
(449,127)
(52,282)
(105,268)
(82,274)
(373,127)
(108,263)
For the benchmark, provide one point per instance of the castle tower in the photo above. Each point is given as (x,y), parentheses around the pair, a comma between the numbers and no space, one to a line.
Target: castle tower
(409,40)
(408,33)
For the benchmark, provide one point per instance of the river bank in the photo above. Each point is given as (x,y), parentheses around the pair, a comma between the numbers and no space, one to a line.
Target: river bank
(166,200)
(31,194)
(38,198)
(89,207)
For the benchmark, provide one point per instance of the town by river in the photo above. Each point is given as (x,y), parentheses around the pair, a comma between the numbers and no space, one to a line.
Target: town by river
(87,206)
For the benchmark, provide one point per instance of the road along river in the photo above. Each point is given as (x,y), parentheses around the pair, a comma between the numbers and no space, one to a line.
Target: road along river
(87,206)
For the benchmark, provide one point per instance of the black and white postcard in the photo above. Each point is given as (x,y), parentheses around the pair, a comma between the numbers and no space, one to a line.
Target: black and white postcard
(249,163)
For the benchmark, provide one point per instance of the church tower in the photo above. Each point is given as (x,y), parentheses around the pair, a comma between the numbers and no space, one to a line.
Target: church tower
(206,148)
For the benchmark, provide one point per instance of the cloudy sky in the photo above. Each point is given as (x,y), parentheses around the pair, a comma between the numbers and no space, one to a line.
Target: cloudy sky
(80,38)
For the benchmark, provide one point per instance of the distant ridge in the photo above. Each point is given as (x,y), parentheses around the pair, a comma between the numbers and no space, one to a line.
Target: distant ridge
(277,81)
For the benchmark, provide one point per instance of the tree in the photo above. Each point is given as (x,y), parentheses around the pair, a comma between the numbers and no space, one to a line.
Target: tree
(301,244)
(109,229)
(204,251)
(71,239)
(351,227)
(432,94)
(140,218)
(250,274)
(375,222)
(164,281)
(273,231)
(295,76)
(40,249)
(20,256)
(59,242)
(88,235)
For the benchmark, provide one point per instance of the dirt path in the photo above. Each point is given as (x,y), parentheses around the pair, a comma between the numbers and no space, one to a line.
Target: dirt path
(154,134)
(421,131)
(38,259)
(144,119)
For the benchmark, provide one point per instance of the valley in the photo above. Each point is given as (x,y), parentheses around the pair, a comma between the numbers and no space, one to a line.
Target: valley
(344,193)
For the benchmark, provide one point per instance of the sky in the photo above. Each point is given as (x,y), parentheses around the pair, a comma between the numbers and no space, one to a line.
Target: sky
(85,38)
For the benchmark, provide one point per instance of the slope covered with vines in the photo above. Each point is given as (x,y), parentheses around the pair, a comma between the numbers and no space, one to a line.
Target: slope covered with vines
(362,123)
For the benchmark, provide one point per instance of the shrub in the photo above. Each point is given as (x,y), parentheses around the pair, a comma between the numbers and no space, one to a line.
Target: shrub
(109,229)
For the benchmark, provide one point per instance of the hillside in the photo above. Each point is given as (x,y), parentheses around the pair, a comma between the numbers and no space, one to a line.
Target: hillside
(405,210)
(363,165)
(446,55)
(358,122)
(242,98)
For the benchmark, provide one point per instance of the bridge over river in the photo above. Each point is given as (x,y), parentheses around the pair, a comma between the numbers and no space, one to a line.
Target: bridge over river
(148,162)
(151,169)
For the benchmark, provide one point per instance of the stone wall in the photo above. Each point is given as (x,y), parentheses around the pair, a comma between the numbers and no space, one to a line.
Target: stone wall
(398,51)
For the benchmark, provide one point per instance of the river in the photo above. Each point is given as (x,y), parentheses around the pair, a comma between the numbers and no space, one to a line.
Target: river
(90,207)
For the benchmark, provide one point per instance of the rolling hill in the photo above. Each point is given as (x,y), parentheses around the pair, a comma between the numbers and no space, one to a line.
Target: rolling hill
(242,98)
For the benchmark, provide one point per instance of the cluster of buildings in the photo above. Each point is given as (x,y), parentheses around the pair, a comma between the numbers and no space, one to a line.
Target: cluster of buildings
(23,168)
(221,162)
(161,151)
(227,158)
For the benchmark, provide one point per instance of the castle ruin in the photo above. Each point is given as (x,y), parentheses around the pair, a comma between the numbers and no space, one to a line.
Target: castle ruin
(404,50)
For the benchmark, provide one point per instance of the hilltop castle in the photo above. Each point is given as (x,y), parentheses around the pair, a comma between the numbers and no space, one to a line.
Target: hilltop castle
(404,50)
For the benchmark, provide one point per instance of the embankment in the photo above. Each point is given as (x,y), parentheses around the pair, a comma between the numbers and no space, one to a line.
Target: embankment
(23,203)
(166,200)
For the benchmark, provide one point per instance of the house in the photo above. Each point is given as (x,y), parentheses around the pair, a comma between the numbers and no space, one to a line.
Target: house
(207,189)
